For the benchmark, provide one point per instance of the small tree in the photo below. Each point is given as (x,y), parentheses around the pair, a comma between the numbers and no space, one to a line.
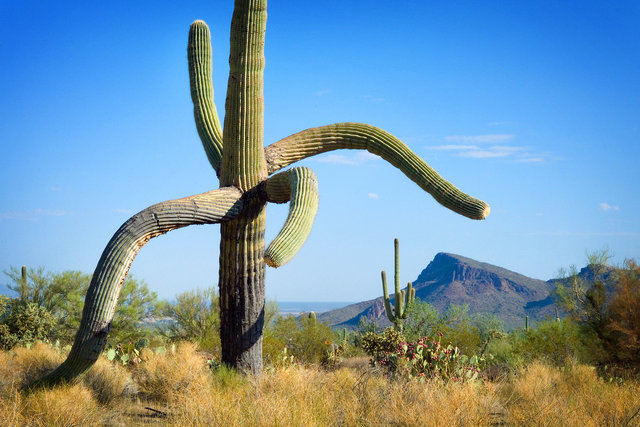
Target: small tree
(585,297)
(625,313)
(197,318)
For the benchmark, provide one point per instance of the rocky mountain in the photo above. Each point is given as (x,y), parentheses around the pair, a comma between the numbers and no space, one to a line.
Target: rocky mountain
(454,279)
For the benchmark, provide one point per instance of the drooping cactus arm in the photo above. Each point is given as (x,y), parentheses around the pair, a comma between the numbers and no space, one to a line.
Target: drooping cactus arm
(300,186)
(102,296)
(377,141)
(200,78)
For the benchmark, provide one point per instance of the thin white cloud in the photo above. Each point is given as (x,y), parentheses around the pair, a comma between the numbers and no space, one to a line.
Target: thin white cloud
(486,154)
(530,160)
(322,92)
(373,196)
(607,207)
(32,215)
(453,147)
(491,138)
(460,145)
(353,160)
(509,148)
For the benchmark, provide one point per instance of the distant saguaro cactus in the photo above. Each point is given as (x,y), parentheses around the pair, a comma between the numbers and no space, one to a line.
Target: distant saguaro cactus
(248,181)
(403,298)
(24,288)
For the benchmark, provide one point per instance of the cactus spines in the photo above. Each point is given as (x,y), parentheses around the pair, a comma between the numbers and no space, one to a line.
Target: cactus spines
(248,181)
(403,298)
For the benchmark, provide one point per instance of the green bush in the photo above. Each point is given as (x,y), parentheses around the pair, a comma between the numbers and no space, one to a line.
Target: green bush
(197,318)
(62,295)
(306,339)
(375,345)
(24,323)
(557,342)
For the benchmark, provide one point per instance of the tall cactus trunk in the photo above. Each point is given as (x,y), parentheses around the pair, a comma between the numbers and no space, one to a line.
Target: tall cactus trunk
(242,292)
(242,264)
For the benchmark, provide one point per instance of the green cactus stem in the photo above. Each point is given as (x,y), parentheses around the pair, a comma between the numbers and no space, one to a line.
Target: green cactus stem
(403,298)
(557,316)
(358,136)
(248,181)
(24,288)
(299,186)
(312,316)
(526,323)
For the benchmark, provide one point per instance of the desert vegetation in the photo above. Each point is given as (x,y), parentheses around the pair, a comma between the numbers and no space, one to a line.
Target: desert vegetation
(438,369)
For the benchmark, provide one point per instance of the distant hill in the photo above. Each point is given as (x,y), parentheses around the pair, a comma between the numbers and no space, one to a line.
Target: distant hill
(454,279)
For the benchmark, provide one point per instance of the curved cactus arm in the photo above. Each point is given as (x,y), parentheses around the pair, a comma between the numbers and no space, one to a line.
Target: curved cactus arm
(102,296)
(377,141)
(385,295)
(200,78)
(300,186)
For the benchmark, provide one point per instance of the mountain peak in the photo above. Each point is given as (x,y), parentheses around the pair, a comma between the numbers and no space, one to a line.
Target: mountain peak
(455,279)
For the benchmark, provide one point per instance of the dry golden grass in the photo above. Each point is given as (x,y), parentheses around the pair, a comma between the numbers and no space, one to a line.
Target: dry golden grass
(541,395)
(188,393)
(71,405)
(107,380)
(22,366)
(165,378)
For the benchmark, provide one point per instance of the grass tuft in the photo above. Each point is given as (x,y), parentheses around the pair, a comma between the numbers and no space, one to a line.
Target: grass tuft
(183,391)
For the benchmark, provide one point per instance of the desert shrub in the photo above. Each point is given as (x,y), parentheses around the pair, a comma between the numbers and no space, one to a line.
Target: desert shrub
(196,316)
(24,323)
(62,295)
(306,339)
(375,345)
(556,342)
(470,331)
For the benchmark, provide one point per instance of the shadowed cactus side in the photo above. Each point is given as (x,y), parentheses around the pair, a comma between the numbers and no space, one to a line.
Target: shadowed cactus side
(403,298)
(248,181)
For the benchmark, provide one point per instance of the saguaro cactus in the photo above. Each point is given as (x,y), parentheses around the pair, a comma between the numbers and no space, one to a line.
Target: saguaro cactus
(24,288)
(248,180)
(403,298)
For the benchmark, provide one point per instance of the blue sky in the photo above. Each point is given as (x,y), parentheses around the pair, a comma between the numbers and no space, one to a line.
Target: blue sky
(533,107)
